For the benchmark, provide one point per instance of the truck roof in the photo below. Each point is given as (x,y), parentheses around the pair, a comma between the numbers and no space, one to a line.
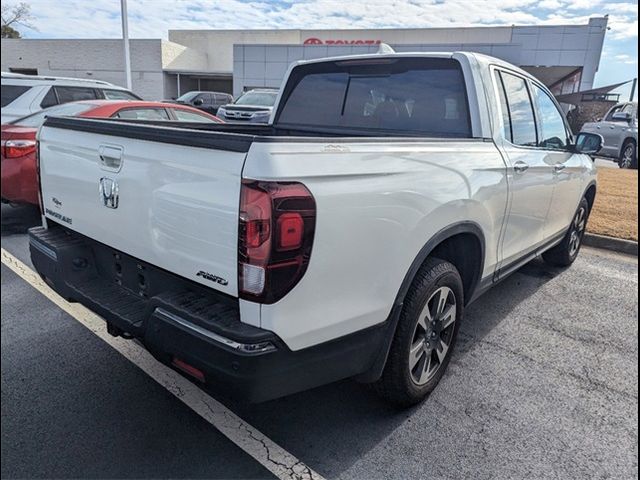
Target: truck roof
(480,58)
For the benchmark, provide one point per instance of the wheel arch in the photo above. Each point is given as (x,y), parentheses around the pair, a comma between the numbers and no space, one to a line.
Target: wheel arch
(590,194)
(443,243)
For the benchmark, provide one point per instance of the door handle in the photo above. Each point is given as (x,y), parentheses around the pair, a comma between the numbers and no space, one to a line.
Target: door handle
(520,167)
(559,167)
(110,157)
(612,127)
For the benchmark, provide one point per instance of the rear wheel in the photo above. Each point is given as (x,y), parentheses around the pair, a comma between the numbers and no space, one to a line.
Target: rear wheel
(628,156)
(425,336)
(565,253)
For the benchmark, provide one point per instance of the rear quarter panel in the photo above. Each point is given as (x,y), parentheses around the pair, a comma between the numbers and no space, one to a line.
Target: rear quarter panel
(378,203)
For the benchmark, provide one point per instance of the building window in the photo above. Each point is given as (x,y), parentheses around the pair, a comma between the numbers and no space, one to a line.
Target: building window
(24,71)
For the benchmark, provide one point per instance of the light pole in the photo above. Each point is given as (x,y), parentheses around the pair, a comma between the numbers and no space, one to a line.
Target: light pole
(125,38)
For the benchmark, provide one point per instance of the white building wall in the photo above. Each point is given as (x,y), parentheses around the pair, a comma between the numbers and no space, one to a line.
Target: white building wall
(93,59)
(560,48)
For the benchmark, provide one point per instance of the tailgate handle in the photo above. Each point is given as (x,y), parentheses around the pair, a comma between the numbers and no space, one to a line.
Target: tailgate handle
(110,157)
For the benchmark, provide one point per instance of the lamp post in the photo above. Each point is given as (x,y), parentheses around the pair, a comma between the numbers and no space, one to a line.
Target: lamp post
(125,38)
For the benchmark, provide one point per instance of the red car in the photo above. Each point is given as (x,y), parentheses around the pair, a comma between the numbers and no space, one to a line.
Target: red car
(18,138)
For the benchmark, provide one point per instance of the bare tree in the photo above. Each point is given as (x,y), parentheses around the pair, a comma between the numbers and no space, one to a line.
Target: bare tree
(15,15)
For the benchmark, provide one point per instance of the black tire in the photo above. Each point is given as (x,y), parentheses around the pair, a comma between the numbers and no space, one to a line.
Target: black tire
(628,156)
(565,253)
(397,384)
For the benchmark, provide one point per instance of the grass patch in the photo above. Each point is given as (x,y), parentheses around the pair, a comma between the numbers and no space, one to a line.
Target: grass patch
(615,212)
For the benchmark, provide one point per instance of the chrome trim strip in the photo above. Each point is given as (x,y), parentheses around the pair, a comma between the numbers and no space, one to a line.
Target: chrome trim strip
(43,248)
(247,348)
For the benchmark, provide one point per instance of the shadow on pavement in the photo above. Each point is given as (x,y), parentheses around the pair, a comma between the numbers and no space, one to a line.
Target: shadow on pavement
(17,219)
(334,426)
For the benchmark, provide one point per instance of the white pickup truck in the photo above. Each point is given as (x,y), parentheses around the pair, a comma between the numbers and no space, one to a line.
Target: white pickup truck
(343,239)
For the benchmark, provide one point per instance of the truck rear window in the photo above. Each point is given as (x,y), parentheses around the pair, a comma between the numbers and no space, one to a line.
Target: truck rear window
(424,96)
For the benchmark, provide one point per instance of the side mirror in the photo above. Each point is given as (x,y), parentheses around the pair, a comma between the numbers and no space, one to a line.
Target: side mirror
(621,117)
(198,102)
(588,143)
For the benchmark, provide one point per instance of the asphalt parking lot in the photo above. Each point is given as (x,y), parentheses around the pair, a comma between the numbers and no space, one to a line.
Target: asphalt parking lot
(544,384)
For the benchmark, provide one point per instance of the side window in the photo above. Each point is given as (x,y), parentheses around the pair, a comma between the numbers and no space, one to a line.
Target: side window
(11,92)
(504,108)
(74,94)
(523,123)
(615,109)
(49,99)
(553,132)
(185,116)
(143,114)
(118,95)
(205,97)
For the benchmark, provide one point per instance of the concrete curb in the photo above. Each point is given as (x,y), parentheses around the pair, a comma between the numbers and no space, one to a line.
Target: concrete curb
(610,243)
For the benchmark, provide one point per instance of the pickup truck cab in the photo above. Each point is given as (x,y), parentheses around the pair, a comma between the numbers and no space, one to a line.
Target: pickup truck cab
(343,239)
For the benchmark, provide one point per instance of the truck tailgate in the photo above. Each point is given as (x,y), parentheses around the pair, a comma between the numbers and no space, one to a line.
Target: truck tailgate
(147,191)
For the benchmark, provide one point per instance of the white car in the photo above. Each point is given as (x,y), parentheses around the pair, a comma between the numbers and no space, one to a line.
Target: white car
(343,239)
(23,95)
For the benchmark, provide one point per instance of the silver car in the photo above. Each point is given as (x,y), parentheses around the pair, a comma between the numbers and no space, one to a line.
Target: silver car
(619,128)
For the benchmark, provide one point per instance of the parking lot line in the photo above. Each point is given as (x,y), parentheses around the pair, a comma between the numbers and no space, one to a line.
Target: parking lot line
(269,454)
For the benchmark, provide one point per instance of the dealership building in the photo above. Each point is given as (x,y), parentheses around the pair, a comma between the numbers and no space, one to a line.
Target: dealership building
(564,57)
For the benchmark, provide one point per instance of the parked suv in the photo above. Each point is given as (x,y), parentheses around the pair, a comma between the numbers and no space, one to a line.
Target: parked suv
(253,106)
(206,101)
(619,128)
(23,95)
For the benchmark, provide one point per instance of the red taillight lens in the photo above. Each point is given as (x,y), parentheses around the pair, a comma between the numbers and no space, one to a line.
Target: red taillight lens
(19,148)
(277,225)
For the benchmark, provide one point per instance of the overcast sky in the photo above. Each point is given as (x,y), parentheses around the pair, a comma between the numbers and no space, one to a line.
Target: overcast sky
(152,19)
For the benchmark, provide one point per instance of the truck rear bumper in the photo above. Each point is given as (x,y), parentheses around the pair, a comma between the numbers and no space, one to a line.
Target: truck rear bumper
(181,322)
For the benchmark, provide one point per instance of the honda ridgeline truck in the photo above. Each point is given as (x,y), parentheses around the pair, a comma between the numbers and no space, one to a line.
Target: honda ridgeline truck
(343,239)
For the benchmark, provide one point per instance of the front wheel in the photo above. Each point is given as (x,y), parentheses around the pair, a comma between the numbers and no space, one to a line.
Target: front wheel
(565,253)
(426,334)
(628,156)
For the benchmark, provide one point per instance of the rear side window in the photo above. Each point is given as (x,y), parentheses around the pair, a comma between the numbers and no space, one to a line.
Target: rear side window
(49,99)
(119,95)
(416,96)
(185,116)
(74,94)
(11,92)
(522,120)
(143,114)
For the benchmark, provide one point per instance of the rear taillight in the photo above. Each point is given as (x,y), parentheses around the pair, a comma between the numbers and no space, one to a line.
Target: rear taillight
(18,148)
(276,229)
(40,202)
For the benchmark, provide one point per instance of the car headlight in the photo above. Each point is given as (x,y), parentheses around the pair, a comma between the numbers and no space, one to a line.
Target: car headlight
(222,111)
(261,116)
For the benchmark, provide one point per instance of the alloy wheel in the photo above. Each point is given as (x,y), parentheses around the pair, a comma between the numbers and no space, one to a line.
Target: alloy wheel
(627,157)
(577,231)
(433,335)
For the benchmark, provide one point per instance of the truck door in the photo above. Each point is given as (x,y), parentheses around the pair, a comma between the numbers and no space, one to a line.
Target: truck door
(530,169)
(554,141)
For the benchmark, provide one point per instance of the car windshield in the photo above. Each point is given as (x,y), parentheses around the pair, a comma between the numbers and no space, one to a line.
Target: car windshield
(38,118)
(187,97)
(262,99)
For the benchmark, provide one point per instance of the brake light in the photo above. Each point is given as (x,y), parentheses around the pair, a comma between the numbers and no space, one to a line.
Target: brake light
(18,148)
(276,229)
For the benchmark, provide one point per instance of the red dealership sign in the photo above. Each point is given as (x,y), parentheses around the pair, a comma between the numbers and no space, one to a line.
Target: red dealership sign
(317,41)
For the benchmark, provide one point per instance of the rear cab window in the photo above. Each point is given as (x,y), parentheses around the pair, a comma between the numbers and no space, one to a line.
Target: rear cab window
(12,92)
(399,96)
